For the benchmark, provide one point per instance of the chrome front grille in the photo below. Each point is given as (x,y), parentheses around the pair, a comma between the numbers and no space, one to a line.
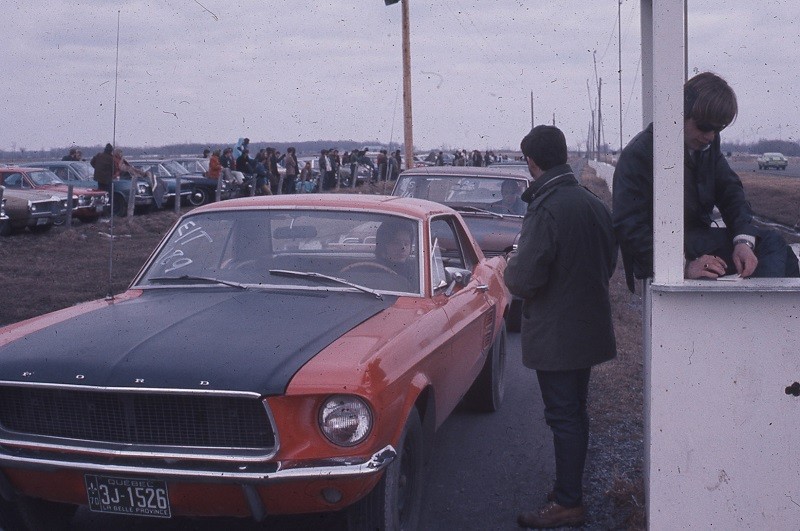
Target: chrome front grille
(144,419)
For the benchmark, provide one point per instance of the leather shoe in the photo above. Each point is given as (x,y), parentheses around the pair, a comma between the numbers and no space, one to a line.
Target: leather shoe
(553,515)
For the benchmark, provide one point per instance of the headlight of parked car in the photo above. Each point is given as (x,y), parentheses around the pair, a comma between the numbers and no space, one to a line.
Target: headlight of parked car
(84,200)
(345,420)
(142,189)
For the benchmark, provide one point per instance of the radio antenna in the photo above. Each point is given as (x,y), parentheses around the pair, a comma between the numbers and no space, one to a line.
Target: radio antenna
(110,294)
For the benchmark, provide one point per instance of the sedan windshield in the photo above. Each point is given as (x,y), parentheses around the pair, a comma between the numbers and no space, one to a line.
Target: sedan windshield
(291,249)
(495,194)
(44,177)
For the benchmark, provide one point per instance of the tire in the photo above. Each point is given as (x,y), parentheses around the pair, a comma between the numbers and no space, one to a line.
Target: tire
(395,504)
(5,228)
(199,197)
(34,514)
(487,392)
(39,229)
(120,205)
(514,319)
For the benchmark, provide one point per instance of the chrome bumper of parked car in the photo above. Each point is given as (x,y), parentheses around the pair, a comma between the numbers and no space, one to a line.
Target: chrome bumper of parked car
(256,472)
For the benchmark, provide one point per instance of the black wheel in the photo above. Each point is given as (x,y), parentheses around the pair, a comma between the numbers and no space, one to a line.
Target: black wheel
(120,205)
(38,229)
(199,196)
(33,514)
(395,502)
(514,319)
(486,393)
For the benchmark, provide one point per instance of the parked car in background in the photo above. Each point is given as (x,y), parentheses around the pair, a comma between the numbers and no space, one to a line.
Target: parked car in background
(201,189)
(477,194)
(81,173)
(160,172)
(38,210)
(381,314)
(772,160)
(88,204)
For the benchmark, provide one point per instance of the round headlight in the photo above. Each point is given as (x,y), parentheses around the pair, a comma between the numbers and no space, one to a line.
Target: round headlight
(345,420)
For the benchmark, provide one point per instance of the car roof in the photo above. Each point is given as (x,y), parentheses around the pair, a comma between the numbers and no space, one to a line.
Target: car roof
(405,206)
(506,172)
(22,168)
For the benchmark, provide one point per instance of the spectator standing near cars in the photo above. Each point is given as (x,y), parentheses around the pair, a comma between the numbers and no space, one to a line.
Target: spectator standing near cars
(306,178)
(561,270)
(241,145)
(103,164)
(290,179)
(243,163)
(440,159)
(710,251)
(214,166)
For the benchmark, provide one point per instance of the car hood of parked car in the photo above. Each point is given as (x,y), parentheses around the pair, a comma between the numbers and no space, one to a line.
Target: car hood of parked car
(188,338)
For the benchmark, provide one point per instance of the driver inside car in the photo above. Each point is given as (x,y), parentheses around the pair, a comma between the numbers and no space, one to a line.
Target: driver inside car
(394,267)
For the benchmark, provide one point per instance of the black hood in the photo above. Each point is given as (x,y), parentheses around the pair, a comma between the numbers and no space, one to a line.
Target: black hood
(204,339)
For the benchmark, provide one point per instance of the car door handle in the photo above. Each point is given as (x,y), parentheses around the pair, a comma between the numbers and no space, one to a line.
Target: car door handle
(482,287)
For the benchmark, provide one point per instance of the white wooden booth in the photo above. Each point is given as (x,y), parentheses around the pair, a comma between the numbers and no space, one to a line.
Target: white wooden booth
(722,433)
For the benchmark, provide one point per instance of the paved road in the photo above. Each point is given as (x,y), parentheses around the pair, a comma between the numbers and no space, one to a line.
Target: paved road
(745,167)
(485,469)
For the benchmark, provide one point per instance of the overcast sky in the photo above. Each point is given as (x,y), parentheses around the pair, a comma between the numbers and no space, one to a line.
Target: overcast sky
(296,70)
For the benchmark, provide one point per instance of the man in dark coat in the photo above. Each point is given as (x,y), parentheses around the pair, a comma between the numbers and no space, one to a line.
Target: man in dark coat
(103,164)
(561,269)
(738,247)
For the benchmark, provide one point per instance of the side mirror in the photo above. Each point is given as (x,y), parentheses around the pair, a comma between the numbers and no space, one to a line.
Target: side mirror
(455,276)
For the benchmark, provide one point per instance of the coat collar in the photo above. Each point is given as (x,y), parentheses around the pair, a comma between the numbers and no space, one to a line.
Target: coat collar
(550,178)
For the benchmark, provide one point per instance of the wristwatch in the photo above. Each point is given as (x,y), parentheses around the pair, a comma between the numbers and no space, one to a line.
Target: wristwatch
(746,242)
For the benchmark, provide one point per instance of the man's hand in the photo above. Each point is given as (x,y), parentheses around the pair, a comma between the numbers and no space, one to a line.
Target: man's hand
(707,266)
(744,259)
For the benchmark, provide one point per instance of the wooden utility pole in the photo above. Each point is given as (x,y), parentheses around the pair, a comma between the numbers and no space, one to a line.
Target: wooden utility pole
(408,135)
(533,121)
(599,116)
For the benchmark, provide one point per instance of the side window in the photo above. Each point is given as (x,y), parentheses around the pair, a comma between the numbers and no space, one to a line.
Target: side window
(14,180)
(448,249)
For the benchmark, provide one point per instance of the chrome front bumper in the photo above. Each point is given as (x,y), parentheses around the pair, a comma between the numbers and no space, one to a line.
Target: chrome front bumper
(186,470)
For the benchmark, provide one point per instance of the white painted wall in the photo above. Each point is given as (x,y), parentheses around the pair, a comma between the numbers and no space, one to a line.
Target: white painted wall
(724,436)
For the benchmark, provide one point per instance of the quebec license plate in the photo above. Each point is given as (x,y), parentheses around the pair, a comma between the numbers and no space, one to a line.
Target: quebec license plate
(131,496)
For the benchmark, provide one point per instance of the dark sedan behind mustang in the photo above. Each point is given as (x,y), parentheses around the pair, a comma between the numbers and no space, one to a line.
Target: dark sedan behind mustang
(276,355)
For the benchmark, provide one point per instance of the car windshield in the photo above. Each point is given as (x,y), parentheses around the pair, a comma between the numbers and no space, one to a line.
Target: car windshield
(84,169)
(44,177)
(195,166)
(175,168)
(276,249)
(480,192)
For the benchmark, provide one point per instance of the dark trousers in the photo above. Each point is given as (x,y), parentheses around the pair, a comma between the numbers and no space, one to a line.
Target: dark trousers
(564,394)
(775,257)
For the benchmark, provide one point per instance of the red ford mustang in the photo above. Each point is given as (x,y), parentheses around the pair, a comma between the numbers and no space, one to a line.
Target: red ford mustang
(276,355)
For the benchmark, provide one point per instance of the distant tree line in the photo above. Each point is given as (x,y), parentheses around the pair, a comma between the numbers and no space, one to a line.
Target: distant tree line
(786,147)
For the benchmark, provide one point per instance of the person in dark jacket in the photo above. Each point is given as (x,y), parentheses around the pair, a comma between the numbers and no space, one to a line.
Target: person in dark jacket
(710,252)
(561,269)
(103,164)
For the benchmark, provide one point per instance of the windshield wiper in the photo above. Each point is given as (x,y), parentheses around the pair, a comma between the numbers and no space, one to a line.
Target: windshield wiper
(468,208)
(189,278)
(311,274)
